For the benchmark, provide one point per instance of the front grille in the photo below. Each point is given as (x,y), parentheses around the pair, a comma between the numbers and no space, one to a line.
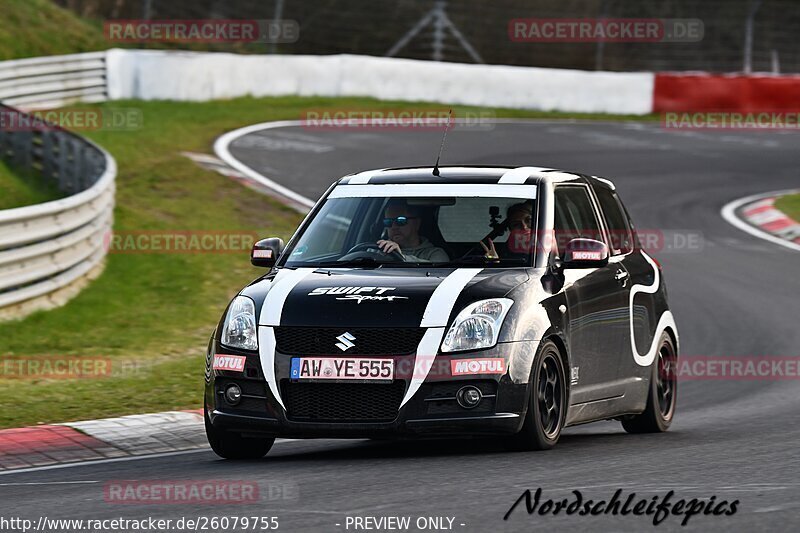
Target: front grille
(343,402)
(368,341)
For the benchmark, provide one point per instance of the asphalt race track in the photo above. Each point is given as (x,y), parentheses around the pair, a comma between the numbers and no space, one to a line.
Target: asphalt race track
(732,295)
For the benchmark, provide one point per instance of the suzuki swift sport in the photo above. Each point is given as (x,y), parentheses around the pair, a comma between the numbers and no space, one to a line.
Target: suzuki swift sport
(461,301)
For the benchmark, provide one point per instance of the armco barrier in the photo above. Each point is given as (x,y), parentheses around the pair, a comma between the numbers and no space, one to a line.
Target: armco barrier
(43,82)
(48,251)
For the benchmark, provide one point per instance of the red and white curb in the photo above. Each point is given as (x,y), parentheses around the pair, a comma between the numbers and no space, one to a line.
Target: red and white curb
(109,438)
(758,216)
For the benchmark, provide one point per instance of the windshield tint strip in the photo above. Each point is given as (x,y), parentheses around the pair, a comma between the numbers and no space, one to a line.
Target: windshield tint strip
(527,192)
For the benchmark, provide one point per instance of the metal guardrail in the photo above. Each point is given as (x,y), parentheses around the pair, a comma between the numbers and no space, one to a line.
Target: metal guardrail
(47,250)
(55,81)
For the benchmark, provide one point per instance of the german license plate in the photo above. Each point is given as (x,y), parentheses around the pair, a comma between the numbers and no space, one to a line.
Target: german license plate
(340,368)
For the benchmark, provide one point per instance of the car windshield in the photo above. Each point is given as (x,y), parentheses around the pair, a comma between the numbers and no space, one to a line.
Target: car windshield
(401,231)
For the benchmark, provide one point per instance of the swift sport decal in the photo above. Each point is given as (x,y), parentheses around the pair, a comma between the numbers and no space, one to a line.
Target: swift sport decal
(664,322)
(360,298)
(436,316)
(356,294)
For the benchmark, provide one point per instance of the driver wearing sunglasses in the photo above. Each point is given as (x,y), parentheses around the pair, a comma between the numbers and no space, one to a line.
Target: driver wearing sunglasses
(402,223)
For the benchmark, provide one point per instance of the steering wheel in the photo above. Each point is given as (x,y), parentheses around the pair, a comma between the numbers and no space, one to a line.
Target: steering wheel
(369,249)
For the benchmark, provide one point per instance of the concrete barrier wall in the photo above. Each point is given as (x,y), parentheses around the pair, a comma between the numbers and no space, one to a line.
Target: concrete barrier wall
(165,75)
(726,93)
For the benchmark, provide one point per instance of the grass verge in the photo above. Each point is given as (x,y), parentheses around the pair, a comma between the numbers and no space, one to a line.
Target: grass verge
(39,28)
(789,204)
(18,189)
(151,313)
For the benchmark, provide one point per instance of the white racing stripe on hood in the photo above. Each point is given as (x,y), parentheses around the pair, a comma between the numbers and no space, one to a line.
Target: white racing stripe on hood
(285,280)
(266,346)
(282,285)
(665,321)
(437,313)
(436,317)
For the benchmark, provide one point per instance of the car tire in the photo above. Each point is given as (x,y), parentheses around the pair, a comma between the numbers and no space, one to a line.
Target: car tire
(229,445)
(663,393)
(547,401)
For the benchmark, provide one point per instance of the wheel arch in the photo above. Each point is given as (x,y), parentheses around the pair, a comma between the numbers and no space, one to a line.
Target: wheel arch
(555,337)
(673,335)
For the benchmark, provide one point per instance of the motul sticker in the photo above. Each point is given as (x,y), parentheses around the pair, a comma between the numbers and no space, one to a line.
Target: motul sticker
(232,363)
(466,367)
(587,256)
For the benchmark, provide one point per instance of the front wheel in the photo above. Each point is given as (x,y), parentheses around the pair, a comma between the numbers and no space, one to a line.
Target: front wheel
(233,446)
(663,395)
(547,401)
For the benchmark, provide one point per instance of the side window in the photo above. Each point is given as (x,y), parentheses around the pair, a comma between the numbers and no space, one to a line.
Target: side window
(617,222)
(574,216)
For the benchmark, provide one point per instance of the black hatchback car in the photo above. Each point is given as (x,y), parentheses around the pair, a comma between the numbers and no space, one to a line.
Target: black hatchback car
(510,302)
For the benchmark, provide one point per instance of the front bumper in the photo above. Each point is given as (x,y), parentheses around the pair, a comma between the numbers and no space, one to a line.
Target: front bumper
(431,412)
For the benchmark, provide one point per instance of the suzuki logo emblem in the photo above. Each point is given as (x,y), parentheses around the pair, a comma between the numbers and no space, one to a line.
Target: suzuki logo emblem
(345,341)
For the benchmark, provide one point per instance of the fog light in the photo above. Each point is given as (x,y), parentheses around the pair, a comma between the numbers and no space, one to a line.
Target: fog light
(233,394)
(469,397)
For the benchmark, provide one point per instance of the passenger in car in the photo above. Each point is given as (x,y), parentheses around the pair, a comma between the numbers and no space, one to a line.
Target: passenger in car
(519,220)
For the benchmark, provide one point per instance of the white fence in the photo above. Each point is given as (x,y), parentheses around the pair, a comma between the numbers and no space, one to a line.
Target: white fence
(198,76)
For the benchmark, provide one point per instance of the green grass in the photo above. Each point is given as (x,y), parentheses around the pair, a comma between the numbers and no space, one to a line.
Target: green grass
(18,189)
(31,28)
(790,204)
(155,312)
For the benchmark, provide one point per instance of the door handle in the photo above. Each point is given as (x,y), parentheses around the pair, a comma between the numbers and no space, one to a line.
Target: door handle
(621,275)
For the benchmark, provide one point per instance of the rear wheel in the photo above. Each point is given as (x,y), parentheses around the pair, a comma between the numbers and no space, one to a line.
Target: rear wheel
(233,446)
(663,394)
(547,401)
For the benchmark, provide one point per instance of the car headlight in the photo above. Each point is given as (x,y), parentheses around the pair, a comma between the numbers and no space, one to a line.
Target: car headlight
(477,326)
(240,329)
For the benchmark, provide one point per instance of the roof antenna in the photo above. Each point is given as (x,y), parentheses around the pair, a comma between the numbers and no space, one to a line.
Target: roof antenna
(441,147)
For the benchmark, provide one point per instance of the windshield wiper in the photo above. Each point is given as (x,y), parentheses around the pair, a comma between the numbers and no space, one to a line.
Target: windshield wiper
(478,261)
(359,261)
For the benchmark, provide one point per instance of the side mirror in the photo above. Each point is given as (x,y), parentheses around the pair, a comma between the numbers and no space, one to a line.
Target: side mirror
(266,252)
(585,253)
